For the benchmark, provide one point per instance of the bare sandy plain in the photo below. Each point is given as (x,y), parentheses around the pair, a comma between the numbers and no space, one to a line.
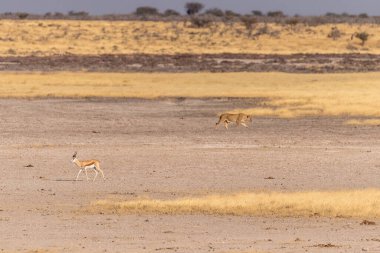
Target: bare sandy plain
(168,149)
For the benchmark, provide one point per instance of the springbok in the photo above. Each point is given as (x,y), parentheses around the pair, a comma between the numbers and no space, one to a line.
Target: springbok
(88,164)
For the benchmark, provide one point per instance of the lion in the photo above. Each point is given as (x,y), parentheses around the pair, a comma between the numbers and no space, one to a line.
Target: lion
(238,118)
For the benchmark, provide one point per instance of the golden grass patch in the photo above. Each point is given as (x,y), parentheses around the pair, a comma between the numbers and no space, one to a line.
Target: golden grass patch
(50,37)
(285,95)
(350,204)
(363,122)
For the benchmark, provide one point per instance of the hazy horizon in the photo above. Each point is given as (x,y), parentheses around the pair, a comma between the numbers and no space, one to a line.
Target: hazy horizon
(98,7)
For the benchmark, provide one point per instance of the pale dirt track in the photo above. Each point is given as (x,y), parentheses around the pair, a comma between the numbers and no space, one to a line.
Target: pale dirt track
(167,149)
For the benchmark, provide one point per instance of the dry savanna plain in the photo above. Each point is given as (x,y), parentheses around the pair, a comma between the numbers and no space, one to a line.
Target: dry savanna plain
(143,97)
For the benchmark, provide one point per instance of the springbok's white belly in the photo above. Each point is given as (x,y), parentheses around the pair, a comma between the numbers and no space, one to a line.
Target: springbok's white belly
(90,167)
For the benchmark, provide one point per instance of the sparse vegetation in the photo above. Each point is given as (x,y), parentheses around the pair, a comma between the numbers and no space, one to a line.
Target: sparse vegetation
(335,33)
(215,12)
(277,14)
(200,22)
(257,13)
(22,15)
(49,37)
(171,12)
(249,23)
(348,204)
(362,36)
(292,21)
(78,14)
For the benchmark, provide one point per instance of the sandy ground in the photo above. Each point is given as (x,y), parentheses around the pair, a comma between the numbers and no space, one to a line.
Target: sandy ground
(167,149)
(182,63)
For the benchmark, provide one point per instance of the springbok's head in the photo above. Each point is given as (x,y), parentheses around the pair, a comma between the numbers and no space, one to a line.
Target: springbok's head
(250,117)
(74,156)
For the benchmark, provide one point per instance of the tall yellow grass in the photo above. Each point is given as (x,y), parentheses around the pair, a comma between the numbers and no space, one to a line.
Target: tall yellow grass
(287,95)
(351,204)
(46,37)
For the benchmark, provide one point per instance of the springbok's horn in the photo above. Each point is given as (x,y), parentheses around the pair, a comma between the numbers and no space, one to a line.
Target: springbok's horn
(75,154)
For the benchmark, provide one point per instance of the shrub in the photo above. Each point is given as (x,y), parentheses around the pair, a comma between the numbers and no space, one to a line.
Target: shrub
(58,15)
(146,11)
(363,15)
(200,22)
(193,8)
(215,12)
(363,36)
(78,14)
(11,51)
(22,15)
(249,23)
(230,13)
(331,14)
(292,21)
(171,12)
(334,33)
(257,13)
(277,14)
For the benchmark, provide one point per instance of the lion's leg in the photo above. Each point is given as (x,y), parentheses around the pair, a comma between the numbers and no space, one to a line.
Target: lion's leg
(244,124)
(217,123)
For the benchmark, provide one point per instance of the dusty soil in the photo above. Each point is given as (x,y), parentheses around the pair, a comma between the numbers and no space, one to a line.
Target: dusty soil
(296,63)
(166,149)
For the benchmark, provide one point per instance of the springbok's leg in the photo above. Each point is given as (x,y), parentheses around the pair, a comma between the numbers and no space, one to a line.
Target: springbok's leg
(101,171)
(96,174)
(85,170)
(78,174)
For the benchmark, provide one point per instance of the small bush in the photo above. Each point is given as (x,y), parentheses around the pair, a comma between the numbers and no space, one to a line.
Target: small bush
(363,36)
(335,33)
(257,13)
(200,22)
(11,51)
(292,21)
(193,8)
(215,12)
(249,23)
(331,14)
(78,14)
(230,13)
(146,11)
(58,15)
(276,14)
(22,15)
(363,15)
(171,12)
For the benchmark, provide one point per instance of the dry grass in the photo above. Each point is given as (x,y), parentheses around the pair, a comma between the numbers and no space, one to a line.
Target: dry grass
(363,122)
(351,204)
(288,95)
(45,37)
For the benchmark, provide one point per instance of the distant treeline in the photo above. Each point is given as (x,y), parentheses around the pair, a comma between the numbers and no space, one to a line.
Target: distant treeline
(195,10)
